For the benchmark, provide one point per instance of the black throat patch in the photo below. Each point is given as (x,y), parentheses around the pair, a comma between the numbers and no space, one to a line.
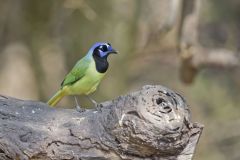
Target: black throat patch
(101,64)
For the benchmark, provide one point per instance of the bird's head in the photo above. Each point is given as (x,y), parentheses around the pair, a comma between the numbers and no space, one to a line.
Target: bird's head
(102,50)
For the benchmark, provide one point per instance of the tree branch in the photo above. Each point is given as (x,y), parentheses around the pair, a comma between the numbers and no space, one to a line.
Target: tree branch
(153,123)
(194,56)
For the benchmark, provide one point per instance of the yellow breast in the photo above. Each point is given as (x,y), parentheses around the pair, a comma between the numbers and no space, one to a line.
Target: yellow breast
(88,83)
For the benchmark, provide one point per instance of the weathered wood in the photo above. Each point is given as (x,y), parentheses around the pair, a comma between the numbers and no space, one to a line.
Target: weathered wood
(153,123)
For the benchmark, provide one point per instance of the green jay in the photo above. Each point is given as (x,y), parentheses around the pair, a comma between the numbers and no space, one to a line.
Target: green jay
(86,75)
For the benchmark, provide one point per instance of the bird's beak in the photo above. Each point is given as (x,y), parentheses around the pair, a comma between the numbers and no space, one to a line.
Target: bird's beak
(113,51)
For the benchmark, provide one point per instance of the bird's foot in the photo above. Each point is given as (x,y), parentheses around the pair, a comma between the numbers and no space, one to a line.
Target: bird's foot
(93,101)
(98,107)
(79,109)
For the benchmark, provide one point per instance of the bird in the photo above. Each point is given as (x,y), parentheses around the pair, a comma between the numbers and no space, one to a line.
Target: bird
(86,75)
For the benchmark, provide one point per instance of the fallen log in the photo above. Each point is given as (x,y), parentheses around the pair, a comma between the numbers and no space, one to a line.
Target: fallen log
(152,123)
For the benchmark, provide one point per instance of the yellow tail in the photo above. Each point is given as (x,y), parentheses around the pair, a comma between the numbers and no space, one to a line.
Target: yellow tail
(56,98)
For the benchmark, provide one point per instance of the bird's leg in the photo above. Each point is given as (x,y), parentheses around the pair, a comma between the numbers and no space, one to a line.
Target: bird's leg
(78,108)
(93,101)
(97,106)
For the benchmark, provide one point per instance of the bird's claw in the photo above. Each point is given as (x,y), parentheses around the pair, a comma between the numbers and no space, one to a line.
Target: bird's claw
(79,109)
(98,107)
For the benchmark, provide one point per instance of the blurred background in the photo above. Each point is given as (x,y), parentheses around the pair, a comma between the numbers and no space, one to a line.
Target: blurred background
(190,46)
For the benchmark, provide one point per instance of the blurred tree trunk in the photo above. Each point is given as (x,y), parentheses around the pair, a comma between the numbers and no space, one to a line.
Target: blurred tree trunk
(194,56)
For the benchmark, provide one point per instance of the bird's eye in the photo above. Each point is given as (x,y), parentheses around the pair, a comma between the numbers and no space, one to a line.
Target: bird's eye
(104,47)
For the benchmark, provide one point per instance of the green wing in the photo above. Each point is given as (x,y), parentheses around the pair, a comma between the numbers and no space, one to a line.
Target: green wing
(77,72)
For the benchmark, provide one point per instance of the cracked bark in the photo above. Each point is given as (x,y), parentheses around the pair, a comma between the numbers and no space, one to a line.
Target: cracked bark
(152,123)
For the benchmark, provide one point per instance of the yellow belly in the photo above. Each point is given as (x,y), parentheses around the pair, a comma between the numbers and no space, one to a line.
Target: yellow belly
(87,84)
